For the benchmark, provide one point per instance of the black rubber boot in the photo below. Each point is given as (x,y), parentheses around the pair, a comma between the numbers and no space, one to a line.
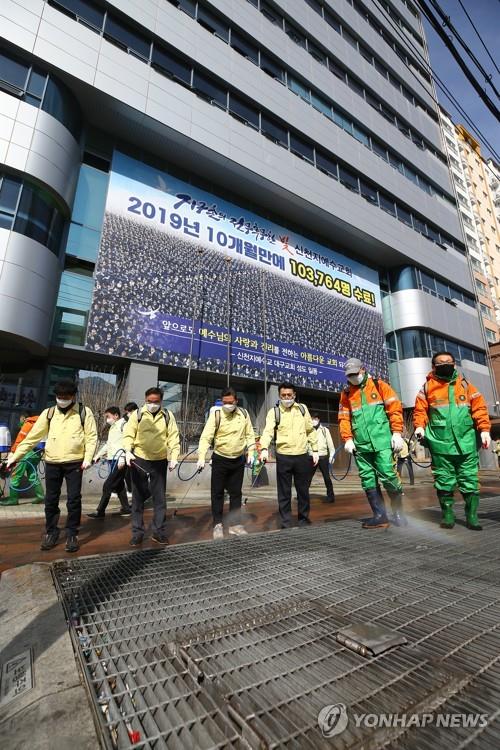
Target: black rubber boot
(379,519)
(398,517)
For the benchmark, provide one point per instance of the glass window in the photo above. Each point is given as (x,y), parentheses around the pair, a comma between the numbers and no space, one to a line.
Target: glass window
(428,282)
(83,242)
(9,193)
(271,14)
(438,343)
(90,197)
(403,128)
(443,289)
(403,278)
(349,38)
(337,70)
(38,218)
(165,62)
(83,9)
(392,352)
(387,204)
(361,136)
(300,147)
(299,88)
(379,149)
(466,353)
(387,113)
(73,305)
(372,101)
(366,54)
(318,54)
(245,48)
(433,234)
(453,348)
(419,225)
(355,86)
(62,105)
(242,110)
(342,122)
(411,175)
(13,71)
(126,37)
(320,104)
(348,179)
(272,68)
(368,192)
(188,6)
(209,89)
(381,68)
(315,5)
(396,163)
(36,85)
(490,335)
(274,130)
(211,22)
(412,343)
(332,21)
(326,164)
(404,215)
(294,34)
(479,357)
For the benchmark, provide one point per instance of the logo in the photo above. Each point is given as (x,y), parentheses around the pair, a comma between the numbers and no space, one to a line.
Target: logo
(374,395)
(333,719)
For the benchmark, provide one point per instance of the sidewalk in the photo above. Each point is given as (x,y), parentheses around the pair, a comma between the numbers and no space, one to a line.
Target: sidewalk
(20,536)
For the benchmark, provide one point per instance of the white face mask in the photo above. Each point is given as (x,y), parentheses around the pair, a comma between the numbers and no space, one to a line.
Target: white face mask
(356,379)
(63,402)
(153,408)
(110,421)
(287,402)
(315,422)
(229,407)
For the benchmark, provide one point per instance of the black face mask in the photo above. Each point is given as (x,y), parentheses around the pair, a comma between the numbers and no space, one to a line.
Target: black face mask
(445,370)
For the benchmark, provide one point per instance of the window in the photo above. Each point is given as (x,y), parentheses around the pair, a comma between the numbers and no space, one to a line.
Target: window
(9,194)
(273,130)
(332,21)
(337,70)
(73,305)
(315,5)
(209,89)
(411,175)
(59,102)
(271,14)
(355,86)
(38,217)
(243,111)
(299,88)
(348,179)
(210,21)
(165,62)
(379,150)
(360,135)
(318,54)
(386,204)
(349,38)
(490,335)
(244,47)
(419,225)
(368,192)
(396,163)
(404,216)
(13,72)
(412,343)
(372,101)
(366,54)
(486,311)
(320,104)
(272,68)
(386,112)
(295,35)
(482,288)
(126,37)
(82,10)
(434,236)
(443,289)
(326,164)
(300,147)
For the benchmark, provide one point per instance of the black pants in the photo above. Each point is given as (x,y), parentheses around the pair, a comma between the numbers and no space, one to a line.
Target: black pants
(409,464)
(324,467)
(55,474)
(149,478)
(297,468)
(227,474)
(128,480)
(115,482)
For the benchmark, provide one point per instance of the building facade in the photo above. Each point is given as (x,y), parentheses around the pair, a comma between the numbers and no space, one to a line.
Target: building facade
(317,118)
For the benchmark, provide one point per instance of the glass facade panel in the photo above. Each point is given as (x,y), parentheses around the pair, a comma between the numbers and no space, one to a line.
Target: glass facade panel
(90,198)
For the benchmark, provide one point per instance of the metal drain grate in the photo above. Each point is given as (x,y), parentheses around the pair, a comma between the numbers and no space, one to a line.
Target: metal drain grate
(232,645)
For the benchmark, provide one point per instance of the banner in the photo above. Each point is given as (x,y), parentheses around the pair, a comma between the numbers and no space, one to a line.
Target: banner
(186,277)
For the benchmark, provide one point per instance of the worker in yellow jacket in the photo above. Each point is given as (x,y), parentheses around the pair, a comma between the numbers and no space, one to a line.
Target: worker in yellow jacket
(289,424)
(70,435)
(230,432)
(150,438)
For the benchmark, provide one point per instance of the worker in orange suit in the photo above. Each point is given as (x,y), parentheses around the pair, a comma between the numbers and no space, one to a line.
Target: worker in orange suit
(371,426)
(449,413)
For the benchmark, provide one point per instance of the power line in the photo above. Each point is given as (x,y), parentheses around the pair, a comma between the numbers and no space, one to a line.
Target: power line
(463,66)
(479,36)
(440,85)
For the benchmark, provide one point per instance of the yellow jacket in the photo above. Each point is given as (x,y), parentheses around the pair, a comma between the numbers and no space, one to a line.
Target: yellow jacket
(66,439)
(325,441)
(114,443)
(150,438)
(295,432)
(234,436)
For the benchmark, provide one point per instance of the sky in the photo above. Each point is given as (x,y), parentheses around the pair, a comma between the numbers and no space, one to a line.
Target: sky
(486,17)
